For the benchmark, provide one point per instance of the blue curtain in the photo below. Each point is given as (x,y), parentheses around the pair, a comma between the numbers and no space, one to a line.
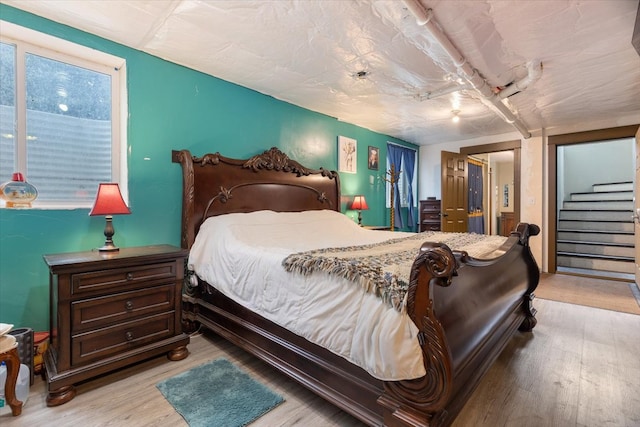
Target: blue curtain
(403,157)
(409,167)
(394,152)
(476,211)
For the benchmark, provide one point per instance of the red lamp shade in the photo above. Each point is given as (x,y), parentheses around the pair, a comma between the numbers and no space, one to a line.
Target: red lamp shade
(109,201)
(359,204)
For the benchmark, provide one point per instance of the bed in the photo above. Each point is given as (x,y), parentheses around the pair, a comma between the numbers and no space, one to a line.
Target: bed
(457,311)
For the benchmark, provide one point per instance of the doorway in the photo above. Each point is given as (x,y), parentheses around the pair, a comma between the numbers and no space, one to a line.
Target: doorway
(502,190)
(498,198)
(587,233)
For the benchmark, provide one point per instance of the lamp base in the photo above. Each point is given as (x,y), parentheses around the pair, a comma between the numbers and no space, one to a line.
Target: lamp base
(108,233)
(109,247)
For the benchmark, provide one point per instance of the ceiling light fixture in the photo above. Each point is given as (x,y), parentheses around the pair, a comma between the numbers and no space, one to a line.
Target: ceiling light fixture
(456,117)
(361,75)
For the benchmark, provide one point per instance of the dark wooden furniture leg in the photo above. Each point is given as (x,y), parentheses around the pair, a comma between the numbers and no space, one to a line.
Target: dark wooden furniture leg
(178,353)
(12,360)
(61,395)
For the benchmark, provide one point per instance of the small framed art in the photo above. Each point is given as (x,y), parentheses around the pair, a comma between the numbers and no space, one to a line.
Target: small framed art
(347,154)
(373,158)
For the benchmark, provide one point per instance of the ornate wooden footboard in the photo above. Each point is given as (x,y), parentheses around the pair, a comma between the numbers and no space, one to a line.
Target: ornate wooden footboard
(466,309)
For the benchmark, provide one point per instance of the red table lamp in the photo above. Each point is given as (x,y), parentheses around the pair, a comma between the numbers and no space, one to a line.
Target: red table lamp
(109,202)
(359,204)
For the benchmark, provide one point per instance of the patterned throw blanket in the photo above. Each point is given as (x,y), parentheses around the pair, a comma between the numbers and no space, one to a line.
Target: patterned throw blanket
(384,268)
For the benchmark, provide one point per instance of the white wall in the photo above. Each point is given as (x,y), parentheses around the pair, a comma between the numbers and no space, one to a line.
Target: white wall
(595,163)
(533,194)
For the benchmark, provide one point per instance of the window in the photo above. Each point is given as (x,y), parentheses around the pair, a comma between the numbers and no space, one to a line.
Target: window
(61,106)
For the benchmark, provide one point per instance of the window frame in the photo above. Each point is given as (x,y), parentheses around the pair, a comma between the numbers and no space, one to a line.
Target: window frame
(34,42)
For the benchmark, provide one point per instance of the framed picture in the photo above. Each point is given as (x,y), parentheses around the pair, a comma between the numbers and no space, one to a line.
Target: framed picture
(347,154)
(373,158)
(505,196)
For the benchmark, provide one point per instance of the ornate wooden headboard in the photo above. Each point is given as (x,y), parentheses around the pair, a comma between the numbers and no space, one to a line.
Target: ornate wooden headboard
(215,185)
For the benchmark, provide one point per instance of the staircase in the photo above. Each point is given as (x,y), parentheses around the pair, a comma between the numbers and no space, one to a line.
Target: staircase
(596,231)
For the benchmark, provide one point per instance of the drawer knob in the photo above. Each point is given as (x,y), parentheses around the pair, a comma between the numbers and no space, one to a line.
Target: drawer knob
(129,276)
(128,336)
(128,305)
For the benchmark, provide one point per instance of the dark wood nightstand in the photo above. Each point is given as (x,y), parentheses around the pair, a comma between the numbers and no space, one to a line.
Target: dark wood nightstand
(430,215)
(377,227)
(111,309)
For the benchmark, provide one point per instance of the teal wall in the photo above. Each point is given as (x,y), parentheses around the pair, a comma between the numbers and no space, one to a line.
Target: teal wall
(170,107)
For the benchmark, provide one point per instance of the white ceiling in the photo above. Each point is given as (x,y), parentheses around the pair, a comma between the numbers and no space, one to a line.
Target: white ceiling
(308,52)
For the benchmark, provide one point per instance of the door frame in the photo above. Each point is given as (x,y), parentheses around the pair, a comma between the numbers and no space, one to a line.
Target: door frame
(514,146)
(636,206)
(552,145)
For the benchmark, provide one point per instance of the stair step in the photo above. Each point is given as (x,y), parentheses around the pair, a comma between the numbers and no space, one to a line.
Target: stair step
(602,195)
(599,205)
(596,236)
(597,248)
(627,245)
(592,256)
(611,226)
(613,186)
(620,265)
(590,215)
(598,273)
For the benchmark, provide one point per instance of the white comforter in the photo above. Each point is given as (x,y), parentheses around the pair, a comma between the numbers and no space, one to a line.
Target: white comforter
(241,255)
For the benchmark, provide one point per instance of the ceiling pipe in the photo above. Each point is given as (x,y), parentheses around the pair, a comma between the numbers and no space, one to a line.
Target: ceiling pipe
(444,90)
(465,70)
(534,71)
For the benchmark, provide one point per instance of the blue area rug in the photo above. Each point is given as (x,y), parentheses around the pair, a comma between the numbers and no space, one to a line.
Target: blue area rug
(218,394)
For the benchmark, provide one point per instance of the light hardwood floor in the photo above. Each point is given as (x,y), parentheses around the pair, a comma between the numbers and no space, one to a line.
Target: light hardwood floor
(600,293)
(580,367)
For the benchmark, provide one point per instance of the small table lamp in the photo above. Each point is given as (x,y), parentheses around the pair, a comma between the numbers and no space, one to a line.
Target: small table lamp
(359,204)
(109,202)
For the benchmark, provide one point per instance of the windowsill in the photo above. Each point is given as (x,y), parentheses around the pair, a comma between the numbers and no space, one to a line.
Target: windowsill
(45,207)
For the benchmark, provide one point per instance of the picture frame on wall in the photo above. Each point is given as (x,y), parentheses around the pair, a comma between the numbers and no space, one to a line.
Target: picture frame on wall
(373,158)
(347,154)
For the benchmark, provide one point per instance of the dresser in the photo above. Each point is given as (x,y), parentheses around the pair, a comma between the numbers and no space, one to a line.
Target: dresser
(507,223)
(430,214)
(109,310)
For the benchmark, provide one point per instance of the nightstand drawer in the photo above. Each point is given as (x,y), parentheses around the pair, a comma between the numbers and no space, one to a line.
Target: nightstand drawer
(430,208)
(118,339)
(430,226)
(121,278)
(107,310)
(431,216)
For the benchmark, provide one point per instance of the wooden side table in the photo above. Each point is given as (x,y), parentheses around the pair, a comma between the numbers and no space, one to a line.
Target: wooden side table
(110,310)
(430,215)
(12,360)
